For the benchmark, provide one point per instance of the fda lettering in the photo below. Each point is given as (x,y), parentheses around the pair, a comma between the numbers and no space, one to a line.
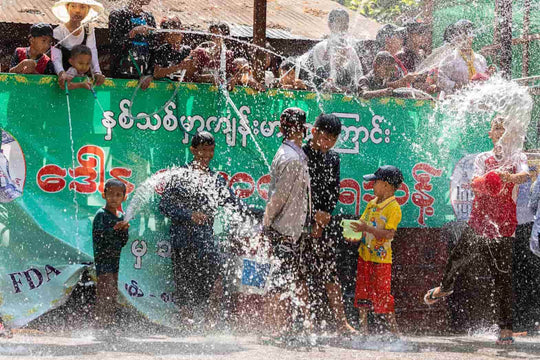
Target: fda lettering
(32,278)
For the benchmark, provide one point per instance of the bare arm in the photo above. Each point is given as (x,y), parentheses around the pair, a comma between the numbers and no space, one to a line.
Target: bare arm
(362,226)
(160,72)
(377,93)
(27,66)
(517,179)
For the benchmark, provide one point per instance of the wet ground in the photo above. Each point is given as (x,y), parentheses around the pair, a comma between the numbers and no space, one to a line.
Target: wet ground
(90,344)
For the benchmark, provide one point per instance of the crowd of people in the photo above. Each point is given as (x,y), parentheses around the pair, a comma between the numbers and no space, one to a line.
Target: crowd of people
(145,50)
(303,192)
(305,176)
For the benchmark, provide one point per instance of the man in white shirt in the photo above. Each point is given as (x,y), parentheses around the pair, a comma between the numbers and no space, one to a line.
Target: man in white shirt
(284,220)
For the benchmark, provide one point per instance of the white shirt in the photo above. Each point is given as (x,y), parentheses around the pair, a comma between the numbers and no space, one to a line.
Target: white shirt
(61,33)
(324,53)
(288,191)
(453,70)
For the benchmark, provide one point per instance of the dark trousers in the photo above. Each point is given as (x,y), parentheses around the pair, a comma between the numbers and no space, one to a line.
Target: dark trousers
(496,254)
(195,271)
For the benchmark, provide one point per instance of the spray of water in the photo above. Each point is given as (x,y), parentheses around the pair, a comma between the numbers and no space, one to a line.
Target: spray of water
(73,166)
(495,96)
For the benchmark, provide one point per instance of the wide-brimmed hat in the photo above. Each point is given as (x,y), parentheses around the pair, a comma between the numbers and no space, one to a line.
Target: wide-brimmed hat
(59,9)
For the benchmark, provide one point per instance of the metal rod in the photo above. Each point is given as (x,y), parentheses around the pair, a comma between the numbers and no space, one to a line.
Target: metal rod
(259,37)
(526,29)
(429,6)
(505,12)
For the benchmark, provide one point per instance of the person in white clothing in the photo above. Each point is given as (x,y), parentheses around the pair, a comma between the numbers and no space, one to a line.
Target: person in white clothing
(463,65)
(336,64)
(75,30)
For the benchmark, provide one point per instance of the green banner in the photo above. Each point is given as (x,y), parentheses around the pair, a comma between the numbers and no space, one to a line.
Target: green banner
(60,149)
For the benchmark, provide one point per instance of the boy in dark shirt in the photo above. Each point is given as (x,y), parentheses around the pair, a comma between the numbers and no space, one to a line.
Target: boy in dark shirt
(172,56)
(318,253)
(109,235)
(130,35)
(190,200)
(32,59)
(383,79)
(416,42)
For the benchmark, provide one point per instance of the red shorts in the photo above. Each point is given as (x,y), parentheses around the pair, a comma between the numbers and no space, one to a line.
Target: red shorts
(373,283)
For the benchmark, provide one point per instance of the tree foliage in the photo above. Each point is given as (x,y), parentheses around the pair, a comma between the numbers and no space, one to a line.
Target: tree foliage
(385,10)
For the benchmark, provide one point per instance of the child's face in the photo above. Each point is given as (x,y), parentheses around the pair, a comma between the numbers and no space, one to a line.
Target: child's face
(114,196)
(77,12)
(497,131)
(323,141)
(417,41)
(381,188)
(384,71)
(217,39)
(40,44)
(174,38)
(81,62)
(203,154)
(393,44)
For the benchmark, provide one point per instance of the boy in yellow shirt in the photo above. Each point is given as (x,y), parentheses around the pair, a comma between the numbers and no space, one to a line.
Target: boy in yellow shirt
(378,224)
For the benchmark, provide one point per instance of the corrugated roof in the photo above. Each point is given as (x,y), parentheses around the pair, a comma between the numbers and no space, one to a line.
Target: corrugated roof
(285,18)
(244,31)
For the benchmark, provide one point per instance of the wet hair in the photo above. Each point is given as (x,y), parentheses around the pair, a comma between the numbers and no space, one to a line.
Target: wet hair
(292,119)
(460,28)
(114,183)
(328,123)
(388,31)
(338,19)
(384,58)
(221,28)
(203,138)
(415,28)
(80,50)
(41,29)
(171,22)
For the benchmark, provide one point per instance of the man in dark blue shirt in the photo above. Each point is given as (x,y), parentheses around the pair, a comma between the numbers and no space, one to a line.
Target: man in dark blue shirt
(190,200)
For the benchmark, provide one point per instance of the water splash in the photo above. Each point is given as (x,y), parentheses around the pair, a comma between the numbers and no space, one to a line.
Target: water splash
(73,167)
(495,96)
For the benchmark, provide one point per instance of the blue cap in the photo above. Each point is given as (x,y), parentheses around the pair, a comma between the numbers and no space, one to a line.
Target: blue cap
(388,173)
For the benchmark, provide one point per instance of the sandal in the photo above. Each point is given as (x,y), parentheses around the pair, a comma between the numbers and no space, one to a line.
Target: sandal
(429,299)
(508,340)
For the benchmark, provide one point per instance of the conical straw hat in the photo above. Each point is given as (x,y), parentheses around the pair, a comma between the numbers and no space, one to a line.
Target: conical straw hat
(59,9)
